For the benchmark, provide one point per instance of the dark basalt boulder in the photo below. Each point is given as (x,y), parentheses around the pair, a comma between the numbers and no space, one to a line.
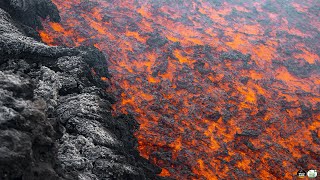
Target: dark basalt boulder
(55,115)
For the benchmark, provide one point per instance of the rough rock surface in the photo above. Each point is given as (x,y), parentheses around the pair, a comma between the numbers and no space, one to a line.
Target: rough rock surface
(55,116)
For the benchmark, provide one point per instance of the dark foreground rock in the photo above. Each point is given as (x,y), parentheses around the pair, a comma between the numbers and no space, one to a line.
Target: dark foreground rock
(55,116)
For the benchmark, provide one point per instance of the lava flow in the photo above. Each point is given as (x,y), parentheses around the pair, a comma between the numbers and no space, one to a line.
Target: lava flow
(223,89)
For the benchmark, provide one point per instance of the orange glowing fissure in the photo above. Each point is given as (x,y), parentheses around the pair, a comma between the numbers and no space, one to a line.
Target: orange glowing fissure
(222,89)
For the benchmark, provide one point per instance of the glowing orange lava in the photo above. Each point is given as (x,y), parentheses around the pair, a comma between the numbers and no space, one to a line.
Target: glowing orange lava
(222,89)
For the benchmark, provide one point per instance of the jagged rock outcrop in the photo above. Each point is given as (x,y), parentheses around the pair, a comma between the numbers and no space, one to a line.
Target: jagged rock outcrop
(55,116)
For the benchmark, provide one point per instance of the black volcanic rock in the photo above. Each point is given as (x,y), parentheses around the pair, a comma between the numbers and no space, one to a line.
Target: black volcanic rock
(55,116)
(29,12)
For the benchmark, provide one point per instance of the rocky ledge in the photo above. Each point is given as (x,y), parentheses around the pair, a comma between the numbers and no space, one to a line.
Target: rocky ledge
(55,115)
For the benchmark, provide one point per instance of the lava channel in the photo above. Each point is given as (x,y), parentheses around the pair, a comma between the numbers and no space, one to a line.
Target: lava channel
(222,89)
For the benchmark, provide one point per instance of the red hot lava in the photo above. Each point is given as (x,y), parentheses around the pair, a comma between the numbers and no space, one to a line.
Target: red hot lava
(223,89)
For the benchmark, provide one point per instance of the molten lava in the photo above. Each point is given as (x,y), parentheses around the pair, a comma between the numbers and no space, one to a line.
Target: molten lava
(222,89)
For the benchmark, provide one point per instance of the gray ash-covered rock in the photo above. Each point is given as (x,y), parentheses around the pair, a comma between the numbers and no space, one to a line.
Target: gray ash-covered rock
(55,115)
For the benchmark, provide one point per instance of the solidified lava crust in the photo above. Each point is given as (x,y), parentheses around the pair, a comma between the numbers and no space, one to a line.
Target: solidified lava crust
(56,119)
(222,89)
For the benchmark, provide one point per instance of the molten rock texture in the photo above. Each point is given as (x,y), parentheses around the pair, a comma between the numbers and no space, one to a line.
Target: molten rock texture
(55,116)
